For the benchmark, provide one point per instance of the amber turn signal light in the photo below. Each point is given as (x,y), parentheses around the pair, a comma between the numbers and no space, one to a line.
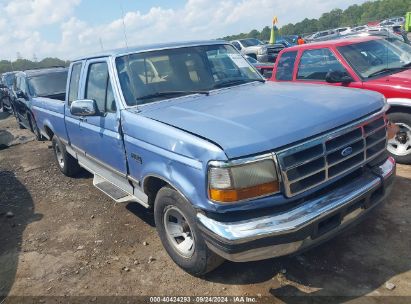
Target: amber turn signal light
(233,195)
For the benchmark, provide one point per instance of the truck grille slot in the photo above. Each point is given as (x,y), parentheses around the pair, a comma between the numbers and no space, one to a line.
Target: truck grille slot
(310,164)
(346,165)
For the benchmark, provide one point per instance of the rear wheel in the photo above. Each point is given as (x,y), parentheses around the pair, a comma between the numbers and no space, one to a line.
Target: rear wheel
(67,164)
(400,146)
(178,231)
(34,127)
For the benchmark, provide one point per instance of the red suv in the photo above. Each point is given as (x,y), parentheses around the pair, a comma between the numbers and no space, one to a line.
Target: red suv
(370,63)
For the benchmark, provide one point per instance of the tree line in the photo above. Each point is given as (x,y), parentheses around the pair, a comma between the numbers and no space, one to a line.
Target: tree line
(354,15)
(25,64)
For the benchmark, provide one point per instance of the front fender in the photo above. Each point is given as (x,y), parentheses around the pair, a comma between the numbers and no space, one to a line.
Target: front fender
(403,102)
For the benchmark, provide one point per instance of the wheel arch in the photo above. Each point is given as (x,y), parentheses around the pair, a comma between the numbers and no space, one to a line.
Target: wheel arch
(399,109)
(49,131)
(152,183)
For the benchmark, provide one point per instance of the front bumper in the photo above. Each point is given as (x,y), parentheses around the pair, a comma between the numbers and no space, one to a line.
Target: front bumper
(306,225)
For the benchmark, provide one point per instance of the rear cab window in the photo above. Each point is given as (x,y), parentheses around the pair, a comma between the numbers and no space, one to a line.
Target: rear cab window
(316,63)
(48,85)
(285,67)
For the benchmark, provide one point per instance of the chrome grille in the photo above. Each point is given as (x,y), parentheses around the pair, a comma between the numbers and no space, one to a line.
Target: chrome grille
(310,164)
(274,51)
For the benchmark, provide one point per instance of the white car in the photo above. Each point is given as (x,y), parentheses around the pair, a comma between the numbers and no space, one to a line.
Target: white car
(395,21)
(343,30)
(359,28)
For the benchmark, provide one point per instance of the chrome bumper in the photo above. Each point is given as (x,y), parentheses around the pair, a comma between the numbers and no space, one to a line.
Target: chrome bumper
(298,228)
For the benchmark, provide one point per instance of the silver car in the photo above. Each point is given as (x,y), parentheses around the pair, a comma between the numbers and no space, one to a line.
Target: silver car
(257,49)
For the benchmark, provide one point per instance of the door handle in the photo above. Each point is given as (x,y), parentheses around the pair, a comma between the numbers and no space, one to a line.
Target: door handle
(83,119)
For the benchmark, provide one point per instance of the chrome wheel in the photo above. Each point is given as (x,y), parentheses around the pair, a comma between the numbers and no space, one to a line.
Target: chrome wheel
(400,145)
(179,232)
(59,155)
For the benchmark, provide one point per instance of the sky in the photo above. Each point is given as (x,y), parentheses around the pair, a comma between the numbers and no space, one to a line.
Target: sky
(71,28)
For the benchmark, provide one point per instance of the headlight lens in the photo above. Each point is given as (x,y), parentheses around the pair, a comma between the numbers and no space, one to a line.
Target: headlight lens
(262,51)
(244,181)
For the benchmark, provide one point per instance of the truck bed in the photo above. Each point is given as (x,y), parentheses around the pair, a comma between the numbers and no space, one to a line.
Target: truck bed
(49,115)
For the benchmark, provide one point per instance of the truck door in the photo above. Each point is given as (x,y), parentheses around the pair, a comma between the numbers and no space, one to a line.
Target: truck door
(101,134)
(72,121)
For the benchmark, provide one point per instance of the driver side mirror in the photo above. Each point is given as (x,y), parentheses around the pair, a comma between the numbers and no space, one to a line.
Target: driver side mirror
(338,77)
(83,107)
(21,94)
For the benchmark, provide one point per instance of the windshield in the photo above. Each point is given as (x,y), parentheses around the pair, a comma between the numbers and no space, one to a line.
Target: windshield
(156,75)
(370,57)
(8,80)
(48,84)
(250,42)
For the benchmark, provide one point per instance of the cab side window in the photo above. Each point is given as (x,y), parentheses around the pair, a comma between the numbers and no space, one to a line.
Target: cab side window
(98,87)
(285,66)
(315,64)
(74,82)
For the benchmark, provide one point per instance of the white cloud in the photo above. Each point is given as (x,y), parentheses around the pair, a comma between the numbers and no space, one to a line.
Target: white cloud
(198,19)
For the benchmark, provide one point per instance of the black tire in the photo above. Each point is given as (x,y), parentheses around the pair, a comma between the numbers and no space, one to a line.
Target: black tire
(67,164)
(34,128)
(401,119)
(202,260)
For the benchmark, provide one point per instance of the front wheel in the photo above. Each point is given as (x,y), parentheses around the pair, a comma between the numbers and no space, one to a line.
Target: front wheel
(400,146)
(175,223)
(68,165)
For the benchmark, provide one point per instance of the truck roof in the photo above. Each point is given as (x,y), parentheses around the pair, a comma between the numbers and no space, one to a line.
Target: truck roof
(333,42)
(151,47)
(37,72)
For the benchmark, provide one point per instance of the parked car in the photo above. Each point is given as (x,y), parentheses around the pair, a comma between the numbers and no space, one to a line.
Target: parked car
(324,35)
(292,39)
(385,33)
(6,91)
(393,21)
(258,49)
(265,68)
(359,28)
(233,166)
(343,30)
(370,63)
(33,86)
(283,41)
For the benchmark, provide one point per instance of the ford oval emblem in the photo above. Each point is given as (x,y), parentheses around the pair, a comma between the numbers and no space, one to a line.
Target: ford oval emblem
(347,151)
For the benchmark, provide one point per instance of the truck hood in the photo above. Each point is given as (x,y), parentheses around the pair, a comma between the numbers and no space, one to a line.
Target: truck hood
(255,118)
(402,79)
(396,85)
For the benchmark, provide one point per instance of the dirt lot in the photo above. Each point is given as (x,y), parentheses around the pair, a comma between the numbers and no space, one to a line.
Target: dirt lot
(62,237)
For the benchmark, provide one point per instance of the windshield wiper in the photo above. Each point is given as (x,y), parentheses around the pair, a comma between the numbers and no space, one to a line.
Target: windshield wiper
(171,93)
(385,70)
(229,83)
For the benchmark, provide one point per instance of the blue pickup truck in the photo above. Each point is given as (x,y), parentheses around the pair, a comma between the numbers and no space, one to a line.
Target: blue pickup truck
(235,168)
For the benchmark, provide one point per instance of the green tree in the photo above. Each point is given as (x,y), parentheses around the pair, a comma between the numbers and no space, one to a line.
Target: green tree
(354,15)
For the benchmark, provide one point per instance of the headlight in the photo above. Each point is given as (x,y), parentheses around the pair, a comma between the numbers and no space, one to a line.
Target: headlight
(230,183)
(262,51)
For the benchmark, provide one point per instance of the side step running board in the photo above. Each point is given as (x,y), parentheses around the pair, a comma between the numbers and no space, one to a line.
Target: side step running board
(114,192)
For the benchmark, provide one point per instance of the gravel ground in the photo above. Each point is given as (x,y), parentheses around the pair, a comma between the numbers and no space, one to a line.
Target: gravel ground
(60,236)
